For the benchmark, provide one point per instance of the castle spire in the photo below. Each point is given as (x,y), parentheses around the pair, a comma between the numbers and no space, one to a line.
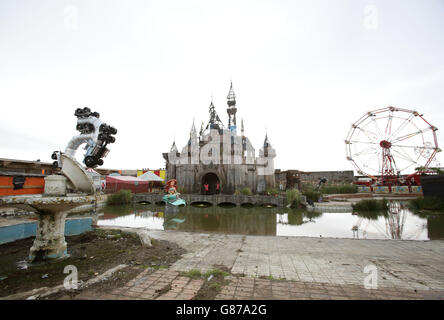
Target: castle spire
(231,110)
(215,122)
(266,142)
(193,129)
(231,98)
(173,147)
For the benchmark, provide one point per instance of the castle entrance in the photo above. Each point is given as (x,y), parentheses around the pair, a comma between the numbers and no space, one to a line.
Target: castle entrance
(211,182)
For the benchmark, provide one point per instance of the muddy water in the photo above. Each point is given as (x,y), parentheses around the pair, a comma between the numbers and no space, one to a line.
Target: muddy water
(404,225)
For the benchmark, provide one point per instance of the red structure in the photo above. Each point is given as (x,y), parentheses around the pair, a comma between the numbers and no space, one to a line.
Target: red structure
(116,183)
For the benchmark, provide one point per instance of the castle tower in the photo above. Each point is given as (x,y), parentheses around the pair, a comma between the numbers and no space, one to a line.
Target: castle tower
(214,122)
(266,169)
(231,110)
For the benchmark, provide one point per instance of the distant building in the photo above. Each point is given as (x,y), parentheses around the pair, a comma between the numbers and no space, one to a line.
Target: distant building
(220,160)
(289,179)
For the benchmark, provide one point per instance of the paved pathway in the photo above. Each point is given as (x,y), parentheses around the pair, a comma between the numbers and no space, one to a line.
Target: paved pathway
(170,285)
(265,267)
(400,264)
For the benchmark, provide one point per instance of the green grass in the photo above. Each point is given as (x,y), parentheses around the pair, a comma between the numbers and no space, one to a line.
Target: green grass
(344,188)
(193,273)
(370,205)
(160,267)
(119,198)
(272,191)
(215,273)
(246,191)
(196,274)
(270,277)
(310,192)
(293,197)
(427,203)
(312,195)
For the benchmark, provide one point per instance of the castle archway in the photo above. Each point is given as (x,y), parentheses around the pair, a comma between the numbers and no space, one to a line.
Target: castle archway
(212,181)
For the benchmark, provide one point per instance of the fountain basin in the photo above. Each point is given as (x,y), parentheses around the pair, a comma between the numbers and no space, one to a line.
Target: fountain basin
(49,243)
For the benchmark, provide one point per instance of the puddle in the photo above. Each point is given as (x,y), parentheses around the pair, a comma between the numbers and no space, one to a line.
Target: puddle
(278,222)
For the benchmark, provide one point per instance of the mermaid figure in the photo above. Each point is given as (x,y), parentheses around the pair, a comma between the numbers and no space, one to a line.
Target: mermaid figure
(172,197)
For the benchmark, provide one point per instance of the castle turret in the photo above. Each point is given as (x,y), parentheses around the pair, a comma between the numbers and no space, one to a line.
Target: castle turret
(266,166)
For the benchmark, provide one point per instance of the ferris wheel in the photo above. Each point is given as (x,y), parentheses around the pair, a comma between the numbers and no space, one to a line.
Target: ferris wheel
(391,141)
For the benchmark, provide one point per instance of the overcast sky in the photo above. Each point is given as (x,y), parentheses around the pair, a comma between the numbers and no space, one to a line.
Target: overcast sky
(303,71)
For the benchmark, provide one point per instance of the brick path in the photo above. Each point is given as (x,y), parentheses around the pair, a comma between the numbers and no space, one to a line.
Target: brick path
(312,268)
(244,288)
(160,285)
(169,285)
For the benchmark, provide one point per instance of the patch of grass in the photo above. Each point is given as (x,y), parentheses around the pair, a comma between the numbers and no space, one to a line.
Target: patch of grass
(312,195)
(193,273)
(272,191)
(216,272)
(310,192)
(246,191)
(370,205)
(160,267)
(270,277)
(215,286)
(293,197)
(427,203)
(119,198)
(344,188)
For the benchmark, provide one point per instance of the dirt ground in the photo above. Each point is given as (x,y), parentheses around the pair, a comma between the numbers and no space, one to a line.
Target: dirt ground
(92,253)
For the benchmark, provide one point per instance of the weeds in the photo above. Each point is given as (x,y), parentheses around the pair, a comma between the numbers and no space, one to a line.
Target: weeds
(119,198)
(293,197)
(427,203)
(246,191)
(370,205)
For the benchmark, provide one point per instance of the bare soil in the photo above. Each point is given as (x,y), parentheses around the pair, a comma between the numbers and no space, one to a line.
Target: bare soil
(92,253)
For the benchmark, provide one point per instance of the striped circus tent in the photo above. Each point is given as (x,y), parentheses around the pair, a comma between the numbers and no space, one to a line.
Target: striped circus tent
(150,176)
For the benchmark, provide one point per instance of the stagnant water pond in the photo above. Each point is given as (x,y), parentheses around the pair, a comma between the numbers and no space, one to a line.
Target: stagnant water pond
(275,221)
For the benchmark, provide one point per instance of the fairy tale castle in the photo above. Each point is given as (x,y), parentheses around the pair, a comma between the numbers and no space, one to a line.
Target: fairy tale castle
(220,158)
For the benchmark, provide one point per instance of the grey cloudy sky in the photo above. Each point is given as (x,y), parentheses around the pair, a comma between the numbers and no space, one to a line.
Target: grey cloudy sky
(302,70)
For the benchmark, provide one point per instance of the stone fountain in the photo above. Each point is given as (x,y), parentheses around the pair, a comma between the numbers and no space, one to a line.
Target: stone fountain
(72,188)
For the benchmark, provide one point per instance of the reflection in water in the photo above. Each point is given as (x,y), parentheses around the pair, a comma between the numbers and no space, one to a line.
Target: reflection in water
(396,223)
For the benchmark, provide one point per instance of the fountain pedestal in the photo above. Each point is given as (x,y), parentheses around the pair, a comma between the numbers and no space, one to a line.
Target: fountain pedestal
(49,242)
